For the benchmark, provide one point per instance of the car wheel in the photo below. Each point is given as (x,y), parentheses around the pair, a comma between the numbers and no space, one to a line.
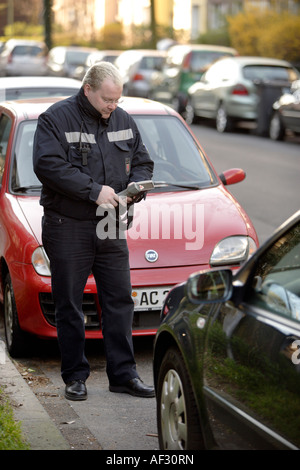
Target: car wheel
(177,416)
(15,338)
(175,104)
(189,114)
(276,129)
(223,122)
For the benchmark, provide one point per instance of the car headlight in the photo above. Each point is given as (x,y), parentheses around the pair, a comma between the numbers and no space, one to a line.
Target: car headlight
(40,262)
(232,250)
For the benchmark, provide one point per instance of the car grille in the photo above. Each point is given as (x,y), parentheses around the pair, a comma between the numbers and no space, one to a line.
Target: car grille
(89,308)
(92,313)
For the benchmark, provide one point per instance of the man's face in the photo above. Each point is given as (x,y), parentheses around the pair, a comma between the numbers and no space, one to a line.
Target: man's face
(106,98)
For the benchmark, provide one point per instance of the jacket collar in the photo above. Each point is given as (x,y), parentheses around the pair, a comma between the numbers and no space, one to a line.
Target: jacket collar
(87,109)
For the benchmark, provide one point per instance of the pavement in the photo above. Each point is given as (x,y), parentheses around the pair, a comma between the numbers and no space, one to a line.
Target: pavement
(38,428)
(106,421)
(110,422)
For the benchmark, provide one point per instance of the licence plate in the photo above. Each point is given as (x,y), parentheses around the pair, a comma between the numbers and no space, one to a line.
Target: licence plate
(149,298)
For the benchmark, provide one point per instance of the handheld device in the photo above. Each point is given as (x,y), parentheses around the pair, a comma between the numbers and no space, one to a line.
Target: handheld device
(138,188)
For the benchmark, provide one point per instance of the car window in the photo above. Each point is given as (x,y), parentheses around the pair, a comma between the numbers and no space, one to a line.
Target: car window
(176,56)
(126,60)
(266,72)
(277,277)
(33,51)
(220,71)
(151,63)
(76,57)
(201,59)
(5,126)
(176,156)
(23,175)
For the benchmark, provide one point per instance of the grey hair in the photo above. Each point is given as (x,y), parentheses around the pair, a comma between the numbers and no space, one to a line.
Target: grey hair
(99,72)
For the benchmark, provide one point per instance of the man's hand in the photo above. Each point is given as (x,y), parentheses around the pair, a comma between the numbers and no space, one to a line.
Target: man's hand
(107,197)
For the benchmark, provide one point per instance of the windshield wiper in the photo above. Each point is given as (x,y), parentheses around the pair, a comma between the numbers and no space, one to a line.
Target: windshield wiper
(163,184)
(33,187)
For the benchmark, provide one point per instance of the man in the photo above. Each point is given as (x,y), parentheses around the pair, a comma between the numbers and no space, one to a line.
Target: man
(86,150)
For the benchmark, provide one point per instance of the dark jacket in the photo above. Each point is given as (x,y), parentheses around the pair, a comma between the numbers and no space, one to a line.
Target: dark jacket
(76,152)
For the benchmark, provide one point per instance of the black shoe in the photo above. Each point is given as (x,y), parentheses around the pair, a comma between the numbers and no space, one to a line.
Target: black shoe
(134,387)
(76,390)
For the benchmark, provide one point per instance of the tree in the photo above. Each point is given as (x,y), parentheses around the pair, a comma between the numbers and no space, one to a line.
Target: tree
(47,14)
(153,24)
(266,33)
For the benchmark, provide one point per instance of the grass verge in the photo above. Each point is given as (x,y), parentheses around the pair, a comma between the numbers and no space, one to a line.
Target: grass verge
(10,431)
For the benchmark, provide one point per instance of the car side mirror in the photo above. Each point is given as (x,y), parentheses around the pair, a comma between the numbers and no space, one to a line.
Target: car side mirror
(210,286)
(232,176)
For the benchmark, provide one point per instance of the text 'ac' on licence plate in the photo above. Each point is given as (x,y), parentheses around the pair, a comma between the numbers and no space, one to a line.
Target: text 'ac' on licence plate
(149,298)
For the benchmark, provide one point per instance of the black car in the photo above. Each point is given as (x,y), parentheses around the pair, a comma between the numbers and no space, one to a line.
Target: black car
(227,353)
(286,113)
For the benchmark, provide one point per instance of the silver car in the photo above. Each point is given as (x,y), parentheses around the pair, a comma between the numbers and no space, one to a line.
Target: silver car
(63,61)
(93,58)
(137,67)
(229,91)
(286,113)
(23,57)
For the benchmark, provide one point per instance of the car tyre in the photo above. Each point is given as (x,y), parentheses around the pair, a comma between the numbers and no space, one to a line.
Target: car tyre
(188,114)
(16,339)
(175,104)
(223,122)
(177,416)
(276,129)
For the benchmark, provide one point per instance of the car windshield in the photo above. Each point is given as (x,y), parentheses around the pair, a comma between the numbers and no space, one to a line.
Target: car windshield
(34,51)
(76,57)
(201,59)
(269,72)
(177,158)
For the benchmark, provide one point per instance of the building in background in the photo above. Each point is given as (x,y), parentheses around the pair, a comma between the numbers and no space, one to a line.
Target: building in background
(86,18)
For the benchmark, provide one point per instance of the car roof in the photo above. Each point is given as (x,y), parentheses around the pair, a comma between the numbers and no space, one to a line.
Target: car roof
(38,82)
(201,47)
(74,48)
(253,60)
(32,108)
(106,52)
(21,42)
(144,52)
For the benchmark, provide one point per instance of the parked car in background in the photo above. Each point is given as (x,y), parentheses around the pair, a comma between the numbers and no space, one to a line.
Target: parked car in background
(20,88)
(184,65)
(64,60)
(286,113)
(227,357)
(93,58)
(188,222)
(136,67)
(23,57)
(228,91)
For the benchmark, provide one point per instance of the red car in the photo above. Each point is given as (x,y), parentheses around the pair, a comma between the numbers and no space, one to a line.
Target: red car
(190,221)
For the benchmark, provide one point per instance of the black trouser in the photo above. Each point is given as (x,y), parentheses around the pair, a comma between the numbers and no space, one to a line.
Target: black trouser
(75,251)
